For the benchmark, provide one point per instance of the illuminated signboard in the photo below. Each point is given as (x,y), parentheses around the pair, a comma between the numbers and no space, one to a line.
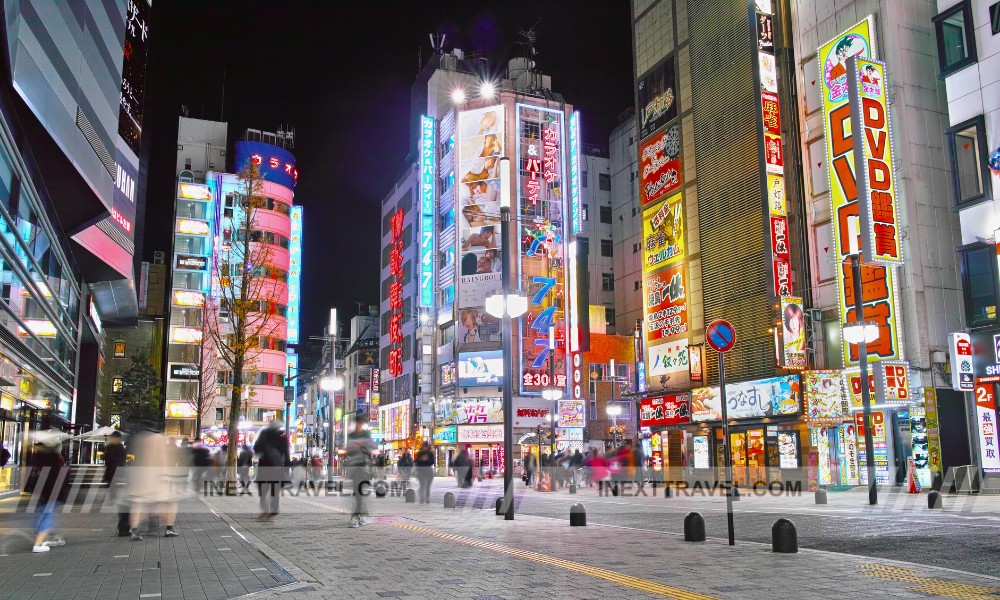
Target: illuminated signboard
(194,191)
(660,165)
(772,397)
(294,275)
(824,394)
(892,381)
(183,372)
(532,411)
(961,362)
(541,199)
(186,262)
(663,234)
(277,165)
(427,185)
(133,73)
(480,434)
(477,369)
(881,446)
(395,365)
(185,335)
(656,98)
(188,298)
(793,333)
(94,316)
(481,136)
(571,413)
(394,420)
(447,374)
(192,227)
(575,206)
(39,327)
(665,410)
(181,410)
(666,358)
(665,304)
(879,286)
(876,188)
(986,424)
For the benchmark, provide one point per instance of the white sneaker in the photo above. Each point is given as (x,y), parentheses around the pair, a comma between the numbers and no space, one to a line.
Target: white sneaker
(56,542)
(42,548)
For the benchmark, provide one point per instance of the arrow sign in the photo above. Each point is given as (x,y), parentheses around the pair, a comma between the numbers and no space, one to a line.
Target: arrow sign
(720,335)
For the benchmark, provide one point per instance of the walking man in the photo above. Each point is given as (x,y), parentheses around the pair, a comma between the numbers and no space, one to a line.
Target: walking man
(425,471)
(359,461)
(272,449)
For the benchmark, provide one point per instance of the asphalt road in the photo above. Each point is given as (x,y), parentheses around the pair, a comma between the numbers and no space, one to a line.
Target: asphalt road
(962,539)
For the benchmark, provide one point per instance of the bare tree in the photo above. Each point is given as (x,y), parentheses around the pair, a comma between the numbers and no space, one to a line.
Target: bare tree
(203,399)
(248,286)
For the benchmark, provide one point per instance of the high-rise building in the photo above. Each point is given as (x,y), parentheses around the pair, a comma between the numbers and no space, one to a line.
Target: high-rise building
(441,361)
(750,212)
(208,219)
(595,199)
(968,48)
(70,141)
(627,231)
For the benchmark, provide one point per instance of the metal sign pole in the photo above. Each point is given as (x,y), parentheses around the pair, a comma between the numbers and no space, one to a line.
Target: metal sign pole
(725,444)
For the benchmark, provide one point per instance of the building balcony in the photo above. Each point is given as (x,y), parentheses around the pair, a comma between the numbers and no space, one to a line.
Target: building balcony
(269,220)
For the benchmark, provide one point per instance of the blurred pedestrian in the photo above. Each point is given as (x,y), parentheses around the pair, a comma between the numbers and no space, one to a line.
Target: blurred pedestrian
(201,462)
(462,465)
(530,465)
(244,460)
(358,462)
(4,456)
(114,457)
(156,482)
(424,462)
(405,466)
(48,483)
(273,459)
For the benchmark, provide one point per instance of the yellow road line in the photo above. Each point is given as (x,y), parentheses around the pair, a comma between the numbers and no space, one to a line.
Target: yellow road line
(644,585)
(931,586)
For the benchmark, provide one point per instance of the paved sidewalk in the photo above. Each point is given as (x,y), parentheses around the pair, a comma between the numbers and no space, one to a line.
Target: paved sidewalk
(430,552)
(208,561)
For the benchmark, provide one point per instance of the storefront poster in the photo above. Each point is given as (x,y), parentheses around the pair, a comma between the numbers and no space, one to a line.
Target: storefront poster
(480,434)
(848,454)
(933,433)
(665,304)
(793,333)
(660,164)
(824,394)
(880,445)
(918,438)
(823,474)
(701,452)
(788,450)
(571,413)
(663,411)
(445,435)
(775,396)
(667,358)
(663,234)
(986,420)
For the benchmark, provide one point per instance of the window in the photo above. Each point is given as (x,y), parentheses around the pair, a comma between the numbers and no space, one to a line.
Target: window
(583,178)
(956,40)
(633,211)
(608,282)
(604,181)
(120,349)
(606,214)
(593,410)
(979,282)
(606,248)
(638,284)
(117,384)
(635,248)
(609,315)
(970,180)
(219,414)
(586,209)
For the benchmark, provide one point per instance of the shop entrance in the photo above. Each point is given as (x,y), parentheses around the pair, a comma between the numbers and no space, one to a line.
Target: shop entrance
(747,448)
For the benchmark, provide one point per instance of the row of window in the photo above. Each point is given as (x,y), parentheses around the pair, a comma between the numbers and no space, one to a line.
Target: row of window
(273,379)
(265,202)
(259,236)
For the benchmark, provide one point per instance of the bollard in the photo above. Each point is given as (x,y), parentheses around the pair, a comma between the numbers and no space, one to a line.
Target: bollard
(694,527)
(820,496)
(614,488)
(410,496)
(572,488)
(449,500)
(577,516)
(381,489)
(934,499)
(736,493)
(784,539)
(666,491)
(500,506)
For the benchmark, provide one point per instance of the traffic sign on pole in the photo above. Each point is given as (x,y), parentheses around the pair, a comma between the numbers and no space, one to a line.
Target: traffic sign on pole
(720,335)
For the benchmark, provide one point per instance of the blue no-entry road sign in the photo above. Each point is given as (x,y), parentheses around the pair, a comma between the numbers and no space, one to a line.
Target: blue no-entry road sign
(720,335)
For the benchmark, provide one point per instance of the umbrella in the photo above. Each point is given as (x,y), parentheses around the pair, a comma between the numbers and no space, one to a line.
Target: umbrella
(98,435)
(49,437)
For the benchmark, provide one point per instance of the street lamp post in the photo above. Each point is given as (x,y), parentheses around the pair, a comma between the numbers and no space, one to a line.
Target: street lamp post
(330,384)
(860,333)
(613,410)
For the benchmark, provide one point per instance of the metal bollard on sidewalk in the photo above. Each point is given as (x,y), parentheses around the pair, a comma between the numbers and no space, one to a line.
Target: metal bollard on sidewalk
(784,538)
(820,496)
(694,527)
(577,515)
(934,500)
(449,500)
(500,510)
(410,496)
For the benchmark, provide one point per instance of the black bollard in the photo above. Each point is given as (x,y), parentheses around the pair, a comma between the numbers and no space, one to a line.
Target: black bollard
(820,496)
(784,538)
(500,510)
(694,527)
(614,489)
(666,491)
(381,489)
(449,500)
(410,496)
(577,515)
(934,499)
(572,488)
(736,493)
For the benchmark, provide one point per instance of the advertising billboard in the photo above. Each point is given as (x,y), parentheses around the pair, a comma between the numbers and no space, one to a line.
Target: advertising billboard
(541,204)
(793,333)
(294,275)
(876,187)
(961,362)
(182,372)
(478,412)
(986,424)
(480,369)
(824,395)
(394,420)
(772,397)
(575,183)
(663,234)
(133,88)
(665,303)
(475,325)
(277,165)
(480,434)
(187,262)
(194,191)
(532,411)
(667,358)
(662,411)
(572,413)
(660,165)
(428,163)
(656,98)
(879,286)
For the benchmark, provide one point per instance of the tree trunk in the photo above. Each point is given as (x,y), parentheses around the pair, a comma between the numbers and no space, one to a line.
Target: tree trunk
(235,406)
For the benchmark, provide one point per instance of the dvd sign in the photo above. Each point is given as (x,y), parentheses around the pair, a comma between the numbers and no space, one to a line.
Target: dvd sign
(184,372)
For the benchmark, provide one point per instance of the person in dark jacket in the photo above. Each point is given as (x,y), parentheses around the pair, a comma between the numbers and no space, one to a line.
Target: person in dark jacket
(462,464)
(405,464)
(271,448)
(49,485)
(359,459)
(424,462)
(114,457)
(244,460)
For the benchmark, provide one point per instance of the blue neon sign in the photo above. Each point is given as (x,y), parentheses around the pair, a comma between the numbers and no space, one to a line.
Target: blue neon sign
(294,275)
(575,211)
(427,164)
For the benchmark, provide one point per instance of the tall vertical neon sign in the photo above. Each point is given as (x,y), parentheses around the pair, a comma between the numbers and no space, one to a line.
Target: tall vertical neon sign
(294,276)
(575,210)
(427,164)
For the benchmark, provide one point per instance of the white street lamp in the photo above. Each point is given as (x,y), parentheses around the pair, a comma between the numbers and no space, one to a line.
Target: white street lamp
(864,331)
(331,384)
(553,394)
(511,305)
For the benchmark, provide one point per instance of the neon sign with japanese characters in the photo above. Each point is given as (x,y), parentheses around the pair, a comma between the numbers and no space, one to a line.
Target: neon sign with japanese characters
(427,163)
(395,365)
(294,275)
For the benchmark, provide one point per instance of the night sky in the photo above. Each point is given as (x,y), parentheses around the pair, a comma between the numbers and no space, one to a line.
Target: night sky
(340,74)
